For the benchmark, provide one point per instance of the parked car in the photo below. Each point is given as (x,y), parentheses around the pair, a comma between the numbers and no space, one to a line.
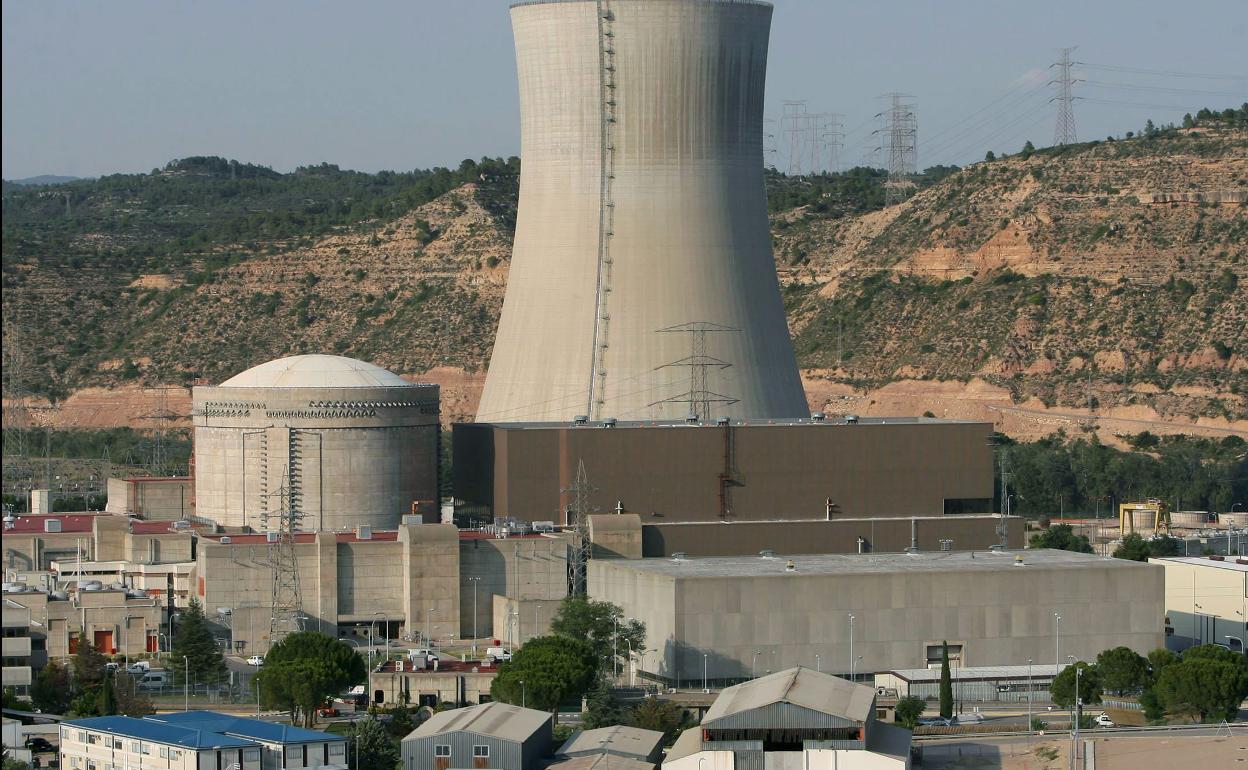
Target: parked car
(139,667)
(255,660)
(1103,720)
(39,745)
(968,719)
(112,667)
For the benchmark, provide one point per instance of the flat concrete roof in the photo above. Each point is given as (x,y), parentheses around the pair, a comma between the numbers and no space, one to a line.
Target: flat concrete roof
(1204,561)
(977,673)
(873,563)
(734,422)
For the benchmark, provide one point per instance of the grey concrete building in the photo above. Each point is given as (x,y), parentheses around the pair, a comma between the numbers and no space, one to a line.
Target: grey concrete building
(152,498)
(347,443)
(744,616)
(492,735)
(642,218)
(797,718)
(735,471)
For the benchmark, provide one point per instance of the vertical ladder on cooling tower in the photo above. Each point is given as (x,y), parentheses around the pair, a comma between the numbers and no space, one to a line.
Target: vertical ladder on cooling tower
(606,206)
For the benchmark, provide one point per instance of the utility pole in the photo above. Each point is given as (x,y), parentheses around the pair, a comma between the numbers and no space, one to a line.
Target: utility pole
(1064,128)
(579,511)
(899,146)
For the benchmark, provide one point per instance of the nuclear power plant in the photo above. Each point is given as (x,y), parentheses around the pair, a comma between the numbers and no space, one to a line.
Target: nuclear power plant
(642,283)
(342,442)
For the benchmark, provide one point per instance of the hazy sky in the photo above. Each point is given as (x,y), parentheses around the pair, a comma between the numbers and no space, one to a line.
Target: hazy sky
(93,87)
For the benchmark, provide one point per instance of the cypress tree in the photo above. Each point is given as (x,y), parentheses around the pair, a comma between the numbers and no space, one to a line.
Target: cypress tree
(946,685)
(108,698)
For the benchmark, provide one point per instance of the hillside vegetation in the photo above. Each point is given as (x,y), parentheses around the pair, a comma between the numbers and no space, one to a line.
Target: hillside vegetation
(1103,274)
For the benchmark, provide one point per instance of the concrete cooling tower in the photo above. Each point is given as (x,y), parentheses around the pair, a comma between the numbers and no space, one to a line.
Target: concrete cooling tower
(342,442)
(642,283)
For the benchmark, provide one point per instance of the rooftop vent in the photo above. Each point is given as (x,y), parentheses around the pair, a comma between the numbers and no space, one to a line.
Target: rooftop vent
(722,422)
(946,545)
(609,422)
(270,537)
(51,525)
(851,419)
(996,548)
(790,567)
(1217,558)
(680,556)
(580,419)
(225,540)
(9,521)
(817,416)
(364,532)
(1018,561)
(691,418)
(767,553)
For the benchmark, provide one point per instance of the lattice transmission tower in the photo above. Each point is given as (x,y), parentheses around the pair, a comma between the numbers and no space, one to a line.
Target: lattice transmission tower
(1064,128)
(899,135)
(280,527)
(699,397)
(578,513)
(831,141)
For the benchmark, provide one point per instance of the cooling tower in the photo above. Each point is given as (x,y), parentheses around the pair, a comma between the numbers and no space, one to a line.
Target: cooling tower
(642,284)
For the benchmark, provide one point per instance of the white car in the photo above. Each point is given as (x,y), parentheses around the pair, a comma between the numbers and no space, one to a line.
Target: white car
(255,660)
(139,667)
(1103,720)
(430,655)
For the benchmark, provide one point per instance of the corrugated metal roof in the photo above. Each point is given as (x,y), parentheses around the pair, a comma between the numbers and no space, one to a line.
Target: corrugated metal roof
(159,732)
(495,719)
(966,673)
(268,732)
(799,686)
(599,762)
(616,739)
(689,742)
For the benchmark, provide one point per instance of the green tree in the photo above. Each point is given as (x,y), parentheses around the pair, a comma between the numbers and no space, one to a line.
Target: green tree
(544,672)
(603,627)
(946,686)
(12,763)
(1123,671)
(305,668)
(1137,548)
(1205,687)
(909,709)
(369,747)
(990,156)
(1063,538)
(52,690)
(107,699)
(1063,687)
(1154,710)
(1028,149)
(664,716)
(603,710)
(194,641)
(1159,659)
(131,701)
(88,666)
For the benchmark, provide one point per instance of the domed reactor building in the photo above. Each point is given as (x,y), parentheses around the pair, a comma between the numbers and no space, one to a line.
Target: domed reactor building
(642,283)
(344,443)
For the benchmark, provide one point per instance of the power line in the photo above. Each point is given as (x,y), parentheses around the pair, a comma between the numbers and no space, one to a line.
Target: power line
(1132,87)
(1163,73)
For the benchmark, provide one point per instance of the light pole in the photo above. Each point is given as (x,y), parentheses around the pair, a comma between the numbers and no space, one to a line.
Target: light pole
(851,646)
(1238,639)
(754,664)
(474,581)
(1078,711)
(522,699)
(818,664)
(186,683)
(704,687)
(1029,724)
(428,622)
(537,619)
(382,615)
(1057,639)
(370,645)
(615,646)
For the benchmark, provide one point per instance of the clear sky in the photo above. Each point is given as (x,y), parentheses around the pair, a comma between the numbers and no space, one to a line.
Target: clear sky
(93,87)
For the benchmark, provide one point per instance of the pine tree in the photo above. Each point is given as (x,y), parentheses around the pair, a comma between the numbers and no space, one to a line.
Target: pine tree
(108,698)
(946,685)
(194,641)
(603,710)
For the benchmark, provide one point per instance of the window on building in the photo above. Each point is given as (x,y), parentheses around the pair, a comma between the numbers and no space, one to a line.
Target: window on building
(91,764)
(442,750)
(134,746)
(93,738)
(145,748)
(82,736)
(164,752)
(251,755)
(175,754)
(480,751)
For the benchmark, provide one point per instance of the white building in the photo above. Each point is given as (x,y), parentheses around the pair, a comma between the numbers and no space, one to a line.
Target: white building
(797,718)
(196,740)
(1206,601)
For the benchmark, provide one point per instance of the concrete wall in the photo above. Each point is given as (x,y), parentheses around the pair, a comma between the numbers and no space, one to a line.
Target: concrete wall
(530,569)
(446,686)
(639,211)
(163,499)
(1001,617)
(1206,601)
(671,473)
(92,612)
(363,463)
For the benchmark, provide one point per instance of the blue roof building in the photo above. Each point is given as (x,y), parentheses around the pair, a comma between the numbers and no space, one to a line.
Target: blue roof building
(196,740)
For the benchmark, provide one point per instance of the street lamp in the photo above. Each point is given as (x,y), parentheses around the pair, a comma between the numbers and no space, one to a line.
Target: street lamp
(1057,623)
(851,647)
(704,687)
(1029,701)
(615,646)
(1238,639)
(522,698)
(475,636)
(385,627)
(818,664)
(428,637)
(537,619)
(186,683)
(754,664)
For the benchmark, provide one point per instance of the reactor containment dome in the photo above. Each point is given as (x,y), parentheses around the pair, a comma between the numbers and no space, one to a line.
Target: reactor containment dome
(342,442)
(642,283)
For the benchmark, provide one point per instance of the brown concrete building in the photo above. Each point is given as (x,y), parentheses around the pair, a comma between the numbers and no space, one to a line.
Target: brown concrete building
(738,470)
(152,498)
(454,682)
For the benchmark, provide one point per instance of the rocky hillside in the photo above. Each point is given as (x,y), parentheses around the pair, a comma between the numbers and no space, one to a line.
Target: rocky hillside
(1109,275)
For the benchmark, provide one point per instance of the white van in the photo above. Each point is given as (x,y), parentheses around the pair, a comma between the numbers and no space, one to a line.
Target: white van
(154,680)
(498,653)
